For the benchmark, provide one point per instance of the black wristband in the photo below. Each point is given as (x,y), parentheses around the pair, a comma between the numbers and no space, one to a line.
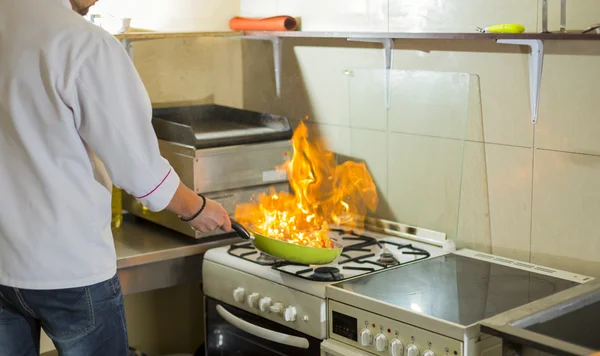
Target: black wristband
(197,213)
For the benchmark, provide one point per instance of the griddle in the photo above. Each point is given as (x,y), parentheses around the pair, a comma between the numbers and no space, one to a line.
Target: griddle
(210,126)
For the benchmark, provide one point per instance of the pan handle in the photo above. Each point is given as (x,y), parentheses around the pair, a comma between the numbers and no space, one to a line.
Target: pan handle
(245,234)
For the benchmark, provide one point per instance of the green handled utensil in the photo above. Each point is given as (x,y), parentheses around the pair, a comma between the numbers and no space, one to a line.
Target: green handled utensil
(289,251)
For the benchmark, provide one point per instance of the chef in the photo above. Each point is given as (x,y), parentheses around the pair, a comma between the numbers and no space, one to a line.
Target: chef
(74,119)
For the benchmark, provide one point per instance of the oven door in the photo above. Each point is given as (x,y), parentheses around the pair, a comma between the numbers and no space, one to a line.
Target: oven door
(232,331)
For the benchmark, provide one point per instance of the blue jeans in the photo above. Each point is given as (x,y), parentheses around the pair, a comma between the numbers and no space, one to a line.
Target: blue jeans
(86,321)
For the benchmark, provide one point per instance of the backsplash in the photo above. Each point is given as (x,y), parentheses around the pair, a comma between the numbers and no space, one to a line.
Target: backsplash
(527,192)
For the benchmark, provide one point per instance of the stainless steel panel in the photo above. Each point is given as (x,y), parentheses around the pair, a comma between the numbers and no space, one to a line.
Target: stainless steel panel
(225,168)
(510,325)
(240,166)
(139,242)
(181,159)
(229,199)
(229,175)
(152,257)
(163,274)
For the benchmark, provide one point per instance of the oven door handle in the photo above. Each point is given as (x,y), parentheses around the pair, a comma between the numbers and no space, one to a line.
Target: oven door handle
(261,332)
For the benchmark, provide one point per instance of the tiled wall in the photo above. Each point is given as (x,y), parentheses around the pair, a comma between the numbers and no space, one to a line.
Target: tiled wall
(528,192)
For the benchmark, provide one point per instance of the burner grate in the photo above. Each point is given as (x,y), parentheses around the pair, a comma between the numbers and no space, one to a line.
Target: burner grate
(357,257)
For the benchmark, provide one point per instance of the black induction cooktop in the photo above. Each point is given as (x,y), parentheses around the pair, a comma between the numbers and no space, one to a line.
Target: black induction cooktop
(456,288)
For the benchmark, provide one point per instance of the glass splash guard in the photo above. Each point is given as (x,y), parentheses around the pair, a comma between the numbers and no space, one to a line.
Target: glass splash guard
(417,151)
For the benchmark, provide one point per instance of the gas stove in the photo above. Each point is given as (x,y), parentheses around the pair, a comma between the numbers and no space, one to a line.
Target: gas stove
(293,295)
(363,253)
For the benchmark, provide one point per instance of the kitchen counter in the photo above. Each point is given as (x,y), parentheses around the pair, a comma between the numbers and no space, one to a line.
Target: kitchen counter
(152,257)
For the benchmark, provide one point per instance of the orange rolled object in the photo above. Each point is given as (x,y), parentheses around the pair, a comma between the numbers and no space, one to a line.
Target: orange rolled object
(276,23)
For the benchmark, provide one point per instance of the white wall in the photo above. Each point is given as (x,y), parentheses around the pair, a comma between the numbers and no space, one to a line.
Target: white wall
(175,15)
(528,192)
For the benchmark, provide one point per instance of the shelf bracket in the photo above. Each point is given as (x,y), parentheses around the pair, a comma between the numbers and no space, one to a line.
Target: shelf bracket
(276,42)
(388,53)
(536,61)
(128,45)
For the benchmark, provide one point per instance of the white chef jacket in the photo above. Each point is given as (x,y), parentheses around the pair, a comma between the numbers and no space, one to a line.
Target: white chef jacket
(70,100)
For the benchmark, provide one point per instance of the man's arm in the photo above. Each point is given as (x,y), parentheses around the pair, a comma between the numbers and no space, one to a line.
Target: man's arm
(112,114)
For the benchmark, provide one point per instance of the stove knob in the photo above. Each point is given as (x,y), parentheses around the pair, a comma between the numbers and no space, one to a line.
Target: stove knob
(264,304)
(412,350)
(253,300)
(428,353)
(396,348)
(366,338)
(238,294)
(290,314)
(381,342)
(276,308)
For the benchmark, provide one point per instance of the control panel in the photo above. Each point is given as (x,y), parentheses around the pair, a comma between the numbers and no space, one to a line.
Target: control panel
(384,336)
(297,310)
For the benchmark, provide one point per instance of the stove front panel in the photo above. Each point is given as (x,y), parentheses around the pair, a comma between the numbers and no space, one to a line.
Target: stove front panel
(383,336)
(272,301)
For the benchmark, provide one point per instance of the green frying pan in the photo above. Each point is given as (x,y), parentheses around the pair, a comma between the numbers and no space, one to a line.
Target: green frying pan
(289,251)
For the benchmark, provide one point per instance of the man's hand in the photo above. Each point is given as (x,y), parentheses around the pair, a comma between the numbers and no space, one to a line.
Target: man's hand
(213,217)
(186,203)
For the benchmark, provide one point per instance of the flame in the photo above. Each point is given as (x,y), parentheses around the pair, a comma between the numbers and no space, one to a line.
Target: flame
(323,192)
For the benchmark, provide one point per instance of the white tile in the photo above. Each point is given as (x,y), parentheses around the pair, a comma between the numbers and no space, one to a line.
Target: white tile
(320,82)
(503,75)
(475,114)
(337,138)
(366,90)
(314,83)
(258,8)
(474,231)
(259,80)
(424,178)
(371,147)
(227,54)
(338,15)
(566,207)
(569,106)
(580,14)
(509,171)
(361,146)
(326,89)
(459,15)
(429,103)
(186,15)
(177,70)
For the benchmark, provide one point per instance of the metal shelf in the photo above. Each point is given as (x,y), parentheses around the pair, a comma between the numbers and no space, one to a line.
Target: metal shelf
(150,35)
(427,35)
(532,40)
(128,38)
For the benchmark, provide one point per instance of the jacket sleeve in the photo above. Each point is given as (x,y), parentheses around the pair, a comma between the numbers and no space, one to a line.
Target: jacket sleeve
(113,115)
